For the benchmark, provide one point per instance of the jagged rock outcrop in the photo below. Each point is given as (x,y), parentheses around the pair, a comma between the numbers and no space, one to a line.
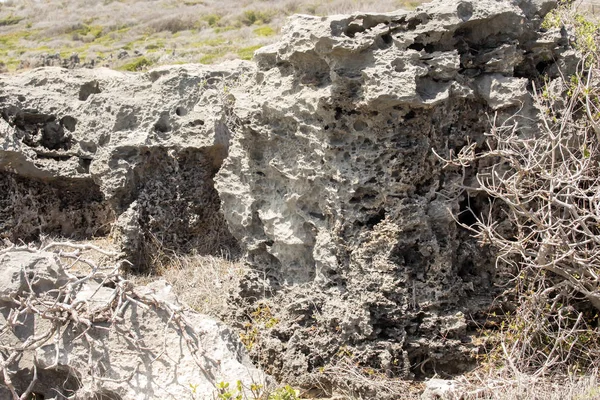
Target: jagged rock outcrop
(77,337)
(334,187)
(323,154)
(85,151)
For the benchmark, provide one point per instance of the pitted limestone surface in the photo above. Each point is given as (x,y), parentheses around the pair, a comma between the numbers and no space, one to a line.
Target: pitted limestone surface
(321,154)
(87,152)
(334,189)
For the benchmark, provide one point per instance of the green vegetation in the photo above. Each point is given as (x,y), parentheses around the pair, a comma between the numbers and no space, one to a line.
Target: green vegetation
(212,19)
(251,17)
(172,32)
(264,31)
(214,56)
(10,20)
(91,31)
(254,392)
(137,64)
(247,52)
(586,31)
(547,190)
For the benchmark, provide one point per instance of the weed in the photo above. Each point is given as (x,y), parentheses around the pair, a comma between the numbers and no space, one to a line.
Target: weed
(137,64)
(264,31)
(255,392)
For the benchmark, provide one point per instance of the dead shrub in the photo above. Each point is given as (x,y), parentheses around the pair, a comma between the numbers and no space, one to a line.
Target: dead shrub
(546,188)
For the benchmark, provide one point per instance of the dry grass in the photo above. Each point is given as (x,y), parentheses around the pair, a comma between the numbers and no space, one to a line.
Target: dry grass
(113,33)
(203,282)
(503,384)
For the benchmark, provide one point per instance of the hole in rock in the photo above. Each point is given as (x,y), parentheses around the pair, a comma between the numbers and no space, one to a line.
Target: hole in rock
(375,218)
(57,383)
(69,122)
(542,66)
(417,46)
(163,124)
(181,111)
(466,269)
(468,211)
(338,113)
(360,125)
(197,122)
(35,128)
(87,89)
(465,11)
(354,28)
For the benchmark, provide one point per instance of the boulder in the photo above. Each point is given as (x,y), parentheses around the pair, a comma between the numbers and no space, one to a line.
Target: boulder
(87,152)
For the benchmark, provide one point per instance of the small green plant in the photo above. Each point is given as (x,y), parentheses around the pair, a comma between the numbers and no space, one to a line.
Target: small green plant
(262,317)
(225,393)
(264,31)
(254,392)
(137,64)
(285,393)
(586,30)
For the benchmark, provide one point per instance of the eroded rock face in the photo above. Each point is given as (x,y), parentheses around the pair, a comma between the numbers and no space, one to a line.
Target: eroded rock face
(84,151)
(334,189)
(323,159)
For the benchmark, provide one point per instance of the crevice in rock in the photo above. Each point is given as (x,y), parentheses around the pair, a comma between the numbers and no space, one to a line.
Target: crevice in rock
(176,207)
(38,129)
(67,208)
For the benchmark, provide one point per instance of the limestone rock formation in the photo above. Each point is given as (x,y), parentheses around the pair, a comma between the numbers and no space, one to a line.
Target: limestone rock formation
(83,150)
(318,159)
(334,188)
(76,337)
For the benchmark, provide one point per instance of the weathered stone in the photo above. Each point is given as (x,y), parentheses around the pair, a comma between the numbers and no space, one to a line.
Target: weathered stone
(332,186)
(144,355)
(79,149)
(328,177)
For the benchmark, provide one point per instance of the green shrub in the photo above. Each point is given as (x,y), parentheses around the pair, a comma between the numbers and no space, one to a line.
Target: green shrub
(251,17)
(212,19)
(137,64)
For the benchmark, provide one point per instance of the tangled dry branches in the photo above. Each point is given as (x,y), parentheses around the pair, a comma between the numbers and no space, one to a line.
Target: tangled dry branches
(543,220)
(65,306)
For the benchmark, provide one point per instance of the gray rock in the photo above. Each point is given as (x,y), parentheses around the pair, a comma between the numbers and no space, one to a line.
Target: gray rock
(156,350)
(441,389)
(317,159)
(332,186)
(79,149)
